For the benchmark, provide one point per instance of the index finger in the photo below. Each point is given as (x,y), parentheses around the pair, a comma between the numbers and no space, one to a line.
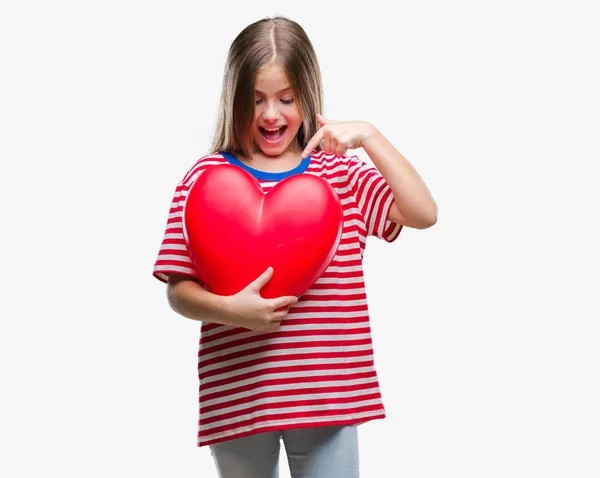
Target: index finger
(283,301)
(314,141)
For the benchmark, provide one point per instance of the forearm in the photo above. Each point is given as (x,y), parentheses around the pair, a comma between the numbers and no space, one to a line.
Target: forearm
(412,197)
(191,300)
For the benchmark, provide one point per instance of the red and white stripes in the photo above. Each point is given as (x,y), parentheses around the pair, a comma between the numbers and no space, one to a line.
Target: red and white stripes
(317,368)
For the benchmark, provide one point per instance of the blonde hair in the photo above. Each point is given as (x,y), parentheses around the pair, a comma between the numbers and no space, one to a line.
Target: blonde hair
(277,39)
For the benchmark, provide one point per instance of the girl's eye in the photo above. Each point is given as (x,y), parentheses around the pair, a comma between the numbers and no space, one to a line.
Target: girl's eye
(285,102)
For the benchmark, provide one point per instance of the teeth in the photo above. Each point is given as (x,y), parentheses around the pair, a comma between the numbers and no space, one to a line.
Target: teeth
(276,129)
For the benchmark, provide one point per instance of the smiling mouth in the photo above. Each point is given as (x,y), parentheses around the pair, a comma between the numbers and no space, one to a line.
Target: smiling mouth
(272,134)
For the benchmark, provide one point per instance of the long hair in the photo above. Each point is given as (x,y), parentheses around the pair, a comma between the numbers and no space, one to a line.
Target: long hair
(277,39)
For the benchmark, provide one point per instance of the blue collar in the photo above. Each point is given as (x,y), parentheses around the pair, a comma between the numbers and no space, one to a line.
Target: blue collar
(264,175)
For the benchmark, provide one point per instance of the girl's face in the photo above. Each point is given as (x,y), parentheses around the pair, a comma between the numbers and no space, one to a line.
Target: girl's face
(276,115)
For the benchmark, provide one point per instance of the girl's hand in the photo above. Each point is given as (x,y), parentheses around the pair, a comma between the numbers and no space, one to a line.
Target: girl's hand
(338,136)
(249,310)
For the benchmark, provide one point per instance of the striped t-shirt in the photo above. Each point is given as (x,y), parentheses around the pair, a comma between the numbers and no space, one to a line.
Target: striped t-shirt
(317,368)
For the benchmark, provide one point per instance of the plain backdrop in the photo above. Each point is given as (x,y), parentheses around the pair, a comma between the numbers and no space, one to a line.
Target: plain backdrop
(486,326)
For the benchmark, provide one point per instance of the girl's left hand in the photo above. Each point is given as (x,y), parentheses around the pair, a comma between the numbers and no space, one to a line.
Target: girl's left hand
(338,136)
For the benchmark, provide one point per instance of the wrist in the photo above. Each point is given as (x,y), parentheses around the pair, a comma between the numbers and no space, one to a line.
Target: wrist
(224,308)
(370,135)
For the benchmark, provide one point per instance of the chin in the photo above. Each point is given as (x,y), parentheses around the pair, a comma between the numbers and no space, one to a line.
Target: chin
(271,150)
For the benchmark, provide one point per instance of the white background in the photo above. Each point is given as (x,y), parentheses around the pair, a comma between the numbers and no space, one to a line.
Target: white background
(485,325)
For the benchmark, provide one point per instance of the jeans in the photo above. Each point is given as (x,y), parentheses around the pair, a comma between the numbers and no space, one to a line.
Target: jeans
(319,452)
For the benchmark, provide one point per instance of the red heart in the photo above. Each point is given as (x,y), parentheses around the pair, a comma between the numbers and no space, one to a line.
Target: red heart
(234,231)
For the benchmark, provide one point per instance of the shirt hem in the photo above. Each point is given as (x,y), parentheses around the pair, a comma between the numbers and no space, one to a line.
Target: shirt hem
(289,426)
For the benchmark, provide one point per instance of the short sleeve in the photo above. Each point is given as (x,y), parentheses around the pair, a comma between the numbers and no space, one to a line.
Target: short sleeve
(173,255)
(374,198)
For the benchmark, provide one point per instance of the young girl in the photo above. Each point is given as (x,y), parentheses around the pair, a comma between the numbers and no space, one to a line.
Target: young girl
(296,369)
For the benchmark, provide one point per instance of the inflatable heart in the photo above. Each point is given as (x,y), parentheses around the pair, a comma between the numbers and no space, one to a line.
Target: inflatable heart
(234,231)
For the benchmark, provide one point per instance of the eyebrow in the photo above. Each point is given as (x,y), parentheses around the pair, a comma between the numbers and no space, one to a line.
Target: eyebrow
(280,91)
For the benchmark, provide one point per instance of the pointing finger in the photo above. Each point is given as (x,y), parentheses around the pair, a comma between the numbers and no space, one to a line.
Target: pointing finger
(322,120)
(314,141)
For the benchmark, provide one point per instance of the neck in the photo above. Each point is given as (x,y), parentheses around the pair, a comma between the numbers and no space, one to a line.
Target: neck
(286,161)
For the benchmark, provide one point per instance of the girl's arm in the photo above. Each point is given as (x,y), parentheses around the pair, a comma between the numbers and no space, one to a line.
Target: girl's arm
(245,309)
(189,299)
(413,205)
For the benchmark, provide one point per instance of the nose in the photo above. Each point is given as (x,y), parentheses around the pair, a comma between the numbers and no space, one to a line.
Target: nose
(271,111)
